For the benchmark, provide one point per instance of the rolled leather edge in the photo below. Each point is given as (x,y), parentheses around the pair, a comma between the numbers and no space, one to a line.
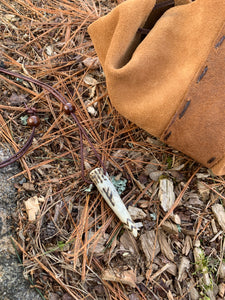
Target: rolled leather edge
(219,168)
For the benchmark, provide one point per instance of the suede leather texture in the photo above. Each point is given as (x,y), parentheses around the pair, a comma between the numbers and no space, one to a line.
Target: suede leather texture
(151,80)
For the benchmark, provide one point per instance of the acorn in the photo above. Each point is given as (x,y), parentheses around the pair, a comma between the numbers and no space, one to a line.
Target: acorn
(69,108)
(33,121)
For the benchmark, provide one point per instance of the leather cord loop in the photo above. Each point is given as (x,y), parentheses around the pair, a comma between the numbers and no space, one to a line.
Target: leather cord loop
(68,109)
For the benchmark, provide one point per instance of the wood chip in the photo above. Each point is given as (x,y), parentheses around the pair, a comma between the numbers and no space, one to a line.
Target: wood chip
(193,291)
(219,213)
(172,269)
(170,227)
(155,175)
(203,191)
(187,245)
(129,243)
(150,245)
(214,228)
(165,246)
(159,272)
(28,186)
(176,219)
(221,292)
(170,296)
(97,246)
(92,63)
(89,80)
(166,194)
(222,271)
(136,213)
(183,266)
(33,207)
(126,277)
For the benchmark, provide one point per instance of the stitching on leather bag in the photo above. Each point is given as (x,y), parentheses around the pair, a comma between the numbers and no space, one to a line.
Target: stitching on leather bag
(220,42)
(211,160)
(202,74)
(184,109)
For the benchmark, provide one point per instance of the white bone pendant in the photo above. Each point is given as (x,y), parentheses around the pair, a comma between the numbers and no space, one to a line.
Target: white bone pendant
(111,196)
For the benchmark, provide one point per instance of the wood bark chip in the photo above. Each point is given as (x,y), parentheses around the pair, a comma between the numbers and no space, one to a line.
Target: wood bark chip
(222,271)
(184,265)
(193,291)
(187,245)
(166,194)
(170,227)
(221,290)
(165,246)
(136,213)
(219,213)
(150,245)
(33,207)
(129,243)
(126,277)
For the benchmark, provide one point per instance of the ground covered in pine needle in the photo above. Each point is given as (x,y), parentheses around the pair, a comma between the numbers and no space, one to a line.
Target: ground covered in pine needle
(75,247)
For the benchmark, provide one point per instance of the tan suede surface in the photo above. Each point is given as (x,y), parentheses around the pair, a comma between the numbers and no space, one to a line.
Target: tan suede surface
(149,81)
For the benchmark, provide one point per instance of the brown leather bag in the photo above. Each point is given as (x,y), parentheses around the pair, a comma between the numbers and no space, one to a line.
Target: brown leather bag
(171,82)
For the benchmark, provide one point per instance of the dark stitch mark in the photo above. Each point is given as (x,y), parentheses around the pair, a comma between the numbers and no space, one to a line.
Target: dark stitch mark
(184,109)
(167,136)
(220,42)
(202,74)
(211,160)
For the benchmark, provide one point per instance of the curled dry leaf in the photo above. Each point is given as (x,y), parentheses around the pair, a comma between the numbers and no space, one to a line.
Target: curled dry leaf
(126,277)
(166,194)
(33,207)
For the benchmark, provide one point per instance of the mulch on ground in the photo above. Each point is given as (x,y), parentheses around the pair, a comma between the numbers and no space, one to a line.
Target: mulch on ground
(76,248)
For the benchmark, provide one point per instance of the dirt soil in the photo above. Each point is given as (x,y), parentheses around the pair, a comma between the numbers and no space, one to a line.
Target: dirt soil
(75,247)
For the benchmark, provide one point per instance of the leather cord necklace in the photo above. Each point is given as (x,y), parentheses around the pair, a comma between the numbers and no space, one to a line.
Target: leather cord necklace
(33,121)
